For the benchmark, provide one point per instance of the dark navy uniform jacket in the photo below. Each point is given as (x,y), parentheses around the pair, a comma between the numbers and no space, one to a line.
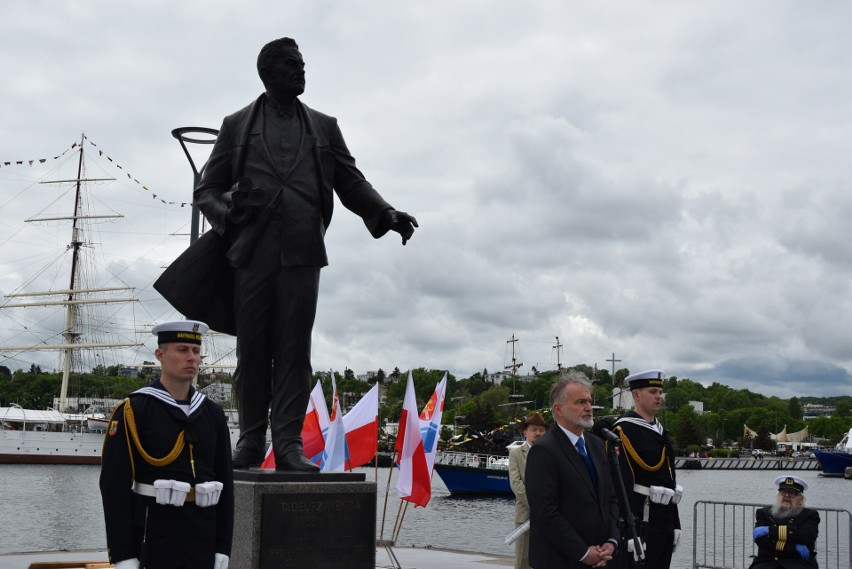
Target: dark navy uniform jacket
(159,420)
(778,547)
(642,442)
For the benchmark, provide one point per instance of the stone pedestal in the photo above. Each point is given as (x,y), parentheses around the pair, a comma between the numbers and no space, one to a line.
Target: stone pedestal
(324,520)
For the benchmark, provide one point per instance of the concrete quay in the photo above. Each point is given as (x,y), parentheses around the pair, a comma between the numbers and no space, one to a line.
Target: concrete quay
(408,557)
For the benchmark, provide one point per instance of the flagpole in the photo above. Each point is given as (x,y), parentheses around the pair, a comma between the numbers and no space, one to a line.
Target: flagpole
(396,521)
(400,519)
(387,491)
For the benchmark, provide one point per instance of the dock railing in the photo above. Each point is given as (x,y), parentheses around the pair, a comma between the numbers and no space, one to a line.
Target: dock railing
(722,536)
(472,460)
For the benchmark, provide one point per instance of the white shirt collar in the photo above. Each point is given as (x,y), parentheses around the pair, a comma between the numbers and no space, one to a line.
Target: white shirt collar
(574,438)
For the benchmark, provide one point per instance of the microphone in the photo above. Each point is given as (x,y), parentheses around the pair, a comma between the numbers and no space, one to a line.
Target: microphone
(600,429)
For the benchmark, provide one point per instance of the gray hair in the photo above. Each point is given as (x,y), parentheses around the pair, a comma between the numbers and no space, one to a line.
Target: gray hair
(568,378)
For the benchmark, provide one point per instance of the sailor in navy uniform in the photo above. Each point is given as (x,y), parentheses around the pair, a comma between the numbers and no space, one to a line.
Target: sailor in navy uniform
(647,467)
(785,533)
(166,476)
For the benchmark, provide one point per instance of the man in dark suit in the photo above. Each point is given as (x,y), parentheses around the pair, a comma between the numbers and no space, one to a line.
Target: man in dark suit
(786,533)
(573,510)
(268,191)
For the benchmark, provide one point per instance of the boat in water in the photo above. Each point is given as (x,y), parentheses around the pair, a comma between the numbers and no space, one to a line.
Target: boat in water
(467,473)
(835,462)
(31,436)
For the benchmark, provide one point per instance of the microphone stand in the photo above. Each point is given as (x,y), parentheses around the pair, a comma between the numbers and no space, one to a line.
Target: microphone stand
(628,515)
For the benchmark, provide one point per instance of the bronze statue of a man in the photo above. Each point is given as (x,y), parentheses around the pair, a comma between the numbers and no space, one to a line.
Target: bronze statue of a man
(267,191)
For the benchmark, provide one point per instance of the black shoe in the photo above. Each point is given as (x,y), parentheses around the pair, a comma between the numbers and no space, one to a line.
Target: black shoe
(295,461)
(245,458)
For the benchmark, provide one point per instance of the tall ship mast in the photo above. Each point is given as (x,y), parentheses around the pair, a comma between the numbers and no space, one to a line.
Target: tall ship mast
(80,333)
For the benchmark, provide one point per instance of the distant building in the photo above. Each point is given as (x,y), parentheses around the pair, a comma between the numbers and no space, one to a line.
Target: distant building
(528,378)
(366,377)
(127,371)
(812,411)
(497,377)
(97,404)
(698,406)
(218,392)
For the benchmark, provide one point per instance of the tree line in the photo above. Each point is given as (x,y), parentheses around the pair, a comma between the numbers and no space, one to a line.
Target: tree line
(480,406)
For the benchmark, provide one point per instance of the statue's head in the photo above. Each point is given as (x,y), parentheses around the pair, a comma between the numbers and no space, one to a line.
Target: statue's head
(282,69)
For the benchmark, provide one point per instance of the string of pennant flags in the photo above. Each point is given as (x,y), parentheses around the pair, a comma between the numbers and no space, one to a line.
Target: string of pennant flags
(8,163)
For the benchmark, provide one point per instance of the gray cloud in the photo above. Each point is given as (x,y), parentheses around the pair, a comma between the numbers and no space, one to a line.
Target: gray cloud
(665,182)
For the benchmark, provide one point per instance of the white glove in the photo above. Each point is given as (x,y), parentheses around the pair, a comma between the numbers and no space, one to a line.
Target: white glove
(220,561)
(207,493)
(203,493)
(676,539)
(661,495)
(637,554)
(678,494)
(217,491)
(163,491)
(128,564)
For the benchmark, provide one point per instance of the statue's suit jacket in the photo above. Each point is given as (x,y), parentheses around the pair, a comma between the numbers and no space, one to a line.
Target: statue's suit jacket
(517,467)
(335,167)
(197,283)
(567,513)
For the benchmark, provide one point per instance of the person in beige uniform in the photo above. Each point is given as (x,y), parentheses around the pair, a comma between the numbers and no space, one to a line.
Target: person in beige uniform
(532,428)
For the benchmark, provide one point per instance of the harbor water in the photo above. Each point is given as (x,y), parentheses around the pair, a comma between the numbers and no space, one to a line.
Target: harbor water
(52,507)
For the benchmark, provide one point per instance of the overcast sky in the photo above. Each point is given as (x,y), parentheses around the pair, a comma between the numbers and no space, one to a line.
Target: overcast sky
(668,182)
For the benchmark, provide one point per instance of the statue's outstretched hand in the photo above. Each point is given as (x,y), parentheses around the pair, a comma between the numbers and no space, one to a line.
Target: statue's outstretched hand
(402,223)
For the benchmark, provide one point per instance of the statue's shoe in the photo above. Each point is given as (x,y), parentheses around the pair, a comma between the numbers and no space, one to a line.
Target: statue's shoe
(295,461)
(245,458)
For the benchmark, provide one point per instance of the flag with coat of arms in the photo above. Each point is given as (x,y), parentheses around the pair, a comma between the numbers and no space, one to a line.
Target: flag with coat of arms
(430,422)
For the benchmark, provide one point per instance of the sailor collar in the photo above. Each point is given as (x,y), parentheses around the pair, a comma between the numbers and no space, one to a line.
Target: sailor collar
(634,419)
(156,390)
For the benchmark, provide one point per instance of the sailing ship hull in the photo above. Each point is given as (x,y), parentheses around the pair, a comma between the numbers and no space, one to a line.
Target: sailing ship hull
(45,447)
(834,462)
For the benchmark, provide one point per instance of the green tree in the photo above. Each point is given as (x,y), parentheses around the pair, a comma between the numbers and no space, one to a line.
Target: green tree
(380,376)
(676,399)
(620,376)
(763,439)
(794,408)
(484,413)
(688,429)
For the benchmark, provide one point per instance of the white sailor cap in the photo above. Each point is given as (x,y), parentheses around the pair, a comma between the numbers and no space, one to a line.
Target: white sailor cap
(181,331)
(648,378)
(790,482)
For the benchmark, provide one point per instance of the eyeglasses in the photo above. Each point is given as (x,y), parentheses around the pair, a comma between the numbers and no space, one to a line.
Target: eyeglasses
(790,492)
